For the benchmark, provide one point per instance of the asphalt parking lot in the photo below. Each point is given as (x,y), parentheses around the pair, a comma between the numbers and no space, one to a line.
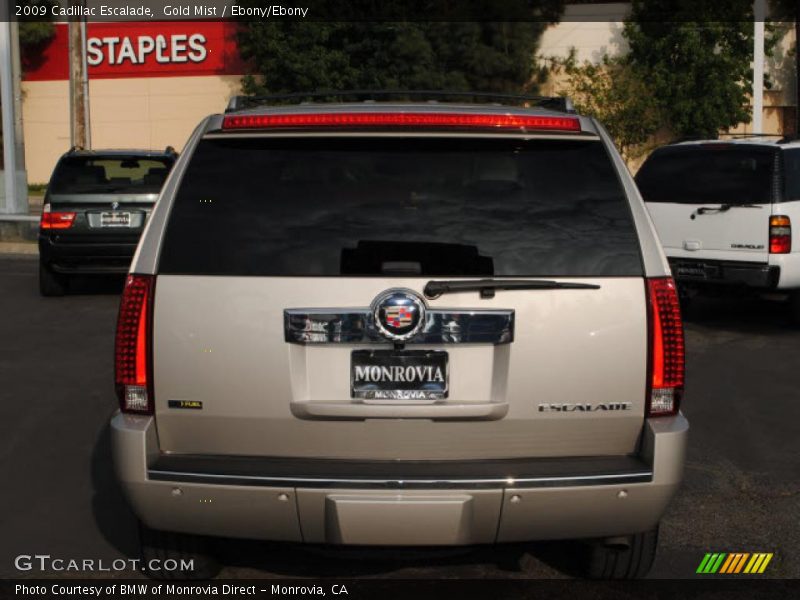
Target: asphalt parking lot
(741,493)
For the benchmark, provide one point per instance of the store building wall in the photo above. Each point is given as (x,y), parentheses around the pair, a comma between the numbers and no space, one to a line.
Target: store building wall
(150,84)
(149,113)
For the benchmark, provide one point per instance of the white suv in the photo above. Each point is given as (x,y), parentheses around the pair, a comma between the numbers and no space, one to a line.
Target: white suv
(724,212)
(410,324)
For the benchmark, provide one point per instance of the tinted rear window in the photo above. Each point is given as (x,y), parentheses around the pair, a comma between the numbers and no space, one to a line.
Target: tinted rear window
(117,175)
(709,174)
(394,206)
(791,167)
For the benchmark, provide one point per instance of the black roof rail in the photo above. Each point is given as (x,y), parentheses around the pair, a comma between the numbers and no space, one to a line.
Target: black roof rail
(751,135)
(557,103)
(169,150)
(782,138)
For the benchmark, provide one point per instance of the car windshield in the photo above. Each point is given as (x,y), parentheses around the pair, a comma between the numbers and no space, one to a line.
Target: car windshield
(709,174)
(399,206)
(110,175)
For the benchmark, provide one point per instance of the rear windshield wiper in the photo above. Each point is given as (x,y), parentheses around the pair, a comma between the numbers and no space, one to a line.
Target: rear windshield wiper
(487,287)
(723,208)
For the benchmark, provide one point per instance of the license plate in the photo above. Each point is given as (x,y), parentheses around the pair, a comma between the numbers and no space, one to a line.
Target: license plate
(115,219)
(693,272)
(398,374)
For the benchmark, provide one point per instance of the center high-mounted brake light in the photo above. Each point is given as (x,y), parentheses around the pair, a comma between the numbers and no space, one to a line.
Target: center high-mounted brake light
(133,347)
(417,120)
(667,351)
(55,220)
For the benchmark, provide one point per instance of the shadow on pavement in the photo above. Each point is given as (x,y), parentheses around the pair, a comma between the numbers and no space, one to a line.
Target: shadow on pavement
(114,519)
(744,314)
(90,286)
(298,561)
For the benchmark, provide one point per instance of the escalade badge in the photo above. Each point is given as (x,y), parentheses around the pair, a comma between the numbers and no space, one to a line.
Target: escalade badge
(399,314)
(585,407)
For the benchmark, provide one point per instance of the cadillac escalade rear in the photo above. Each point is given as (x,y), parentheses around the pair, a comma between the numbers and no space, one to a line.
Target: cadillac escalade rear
(400,324)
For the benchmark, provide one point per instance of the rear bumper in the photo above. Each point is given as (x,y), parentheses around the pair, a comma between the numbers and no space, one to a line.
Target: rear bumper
(720,272)
(395,503)
(85,256)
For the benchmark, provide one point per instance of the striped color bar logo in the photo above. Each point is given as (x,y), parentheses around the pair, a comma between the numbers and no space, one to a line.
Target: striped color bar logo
(734,563)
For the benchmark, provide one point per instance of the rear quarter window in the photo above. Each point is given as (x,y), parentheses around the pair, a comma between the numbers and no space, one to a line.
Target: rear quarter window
(385,206)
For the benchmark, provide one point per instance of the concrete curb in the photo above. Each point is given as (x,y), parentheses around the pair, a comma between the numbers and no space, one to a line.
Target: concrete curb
(25,248)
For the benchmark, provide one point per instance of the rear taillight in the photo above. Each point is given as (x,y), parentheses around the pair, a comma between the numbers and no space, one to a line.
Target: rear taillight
(667,351)
(55,220)
(132,351)
(423,120)
(780,235)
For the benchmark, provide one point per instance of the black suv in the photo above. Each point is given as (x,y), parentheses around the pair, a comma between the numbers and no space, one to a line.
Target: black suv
(95,209)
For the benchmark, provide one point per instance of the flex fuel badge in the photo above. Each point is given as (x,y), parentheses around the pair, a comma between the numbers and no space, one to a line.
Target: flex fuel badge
(196,404)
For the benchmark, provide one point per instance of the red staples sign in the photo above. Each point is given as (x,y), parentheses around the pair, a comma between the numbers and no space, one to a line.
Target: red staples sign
(142,49)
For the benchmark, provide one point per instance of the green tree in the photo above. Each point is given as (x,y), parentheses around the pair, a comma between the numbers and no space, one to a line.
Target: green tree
(615,93)
(36,30)
(32,33)
(695,58)
(787,10)
(305,56)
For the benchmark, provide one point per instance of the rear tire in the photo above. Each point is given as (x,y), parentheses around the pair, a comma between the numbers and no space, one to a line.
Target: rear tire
(620,562)
(631,558)
(50,283)
(160,548)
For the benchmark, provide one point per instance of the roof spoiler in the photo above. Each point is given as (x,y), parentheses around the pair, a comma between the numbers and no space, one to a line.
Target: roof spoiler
(556,103)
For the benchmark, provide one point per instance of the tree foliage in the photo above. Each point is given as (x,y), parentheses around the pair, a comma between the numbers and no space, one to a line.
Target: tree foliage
(614,93)
(34,30)
(783,9)
(695,58)
(688,71)
(305,56)
(32,33)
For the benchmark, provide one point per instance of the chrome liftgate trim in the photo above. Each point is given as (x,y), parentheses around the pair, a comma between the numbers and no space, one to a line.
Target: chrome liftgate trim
(357,326)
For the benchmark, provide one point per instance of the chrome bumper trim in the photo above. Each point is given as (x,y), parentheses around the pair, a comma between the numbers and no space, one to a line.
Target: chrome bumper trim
(643,476)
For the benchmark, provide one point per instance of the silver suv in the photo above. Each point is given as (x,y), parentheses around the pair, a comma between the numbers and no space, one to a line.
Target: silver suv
(400,324)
